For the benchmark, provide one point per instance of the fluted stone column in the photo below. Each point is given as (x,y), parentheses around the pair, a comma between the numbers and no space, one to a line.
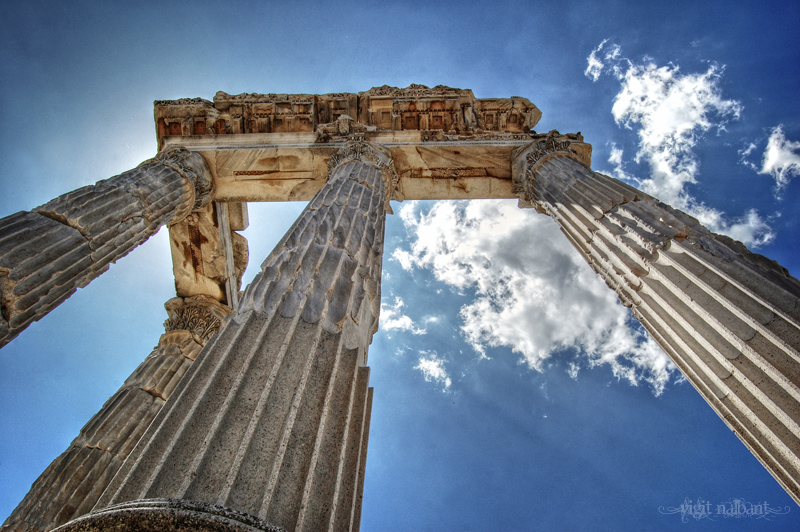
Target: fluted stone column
(270,426)
(46,254)
(728,318)
(73,482)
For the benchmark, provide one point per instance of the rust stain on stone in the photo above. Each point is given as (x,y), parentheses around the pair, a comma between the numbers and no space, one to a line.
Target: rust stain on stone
(186,247)
(458,172)
(196,239)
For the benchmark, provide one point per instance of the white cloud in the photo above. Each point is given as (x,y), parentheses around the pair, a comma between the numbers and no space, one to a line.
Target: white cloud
(750,229)
(616,155)
(595,64)
(744,153)
(598,62)
(671,112)
(393,319)
(573,369)
(534,292)
(781,158)
(615,158)
(432,368)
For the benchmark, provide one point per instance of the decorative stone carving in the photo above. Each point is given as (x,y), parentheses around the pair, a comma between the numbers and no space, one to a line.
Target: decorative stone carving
(417,107)
(345,128)
(272,421)
(73,482)
(47,254)
(199,315)
(359,150)
(527,160)
(728,318)
(453,111)
(187,116)
(446,143)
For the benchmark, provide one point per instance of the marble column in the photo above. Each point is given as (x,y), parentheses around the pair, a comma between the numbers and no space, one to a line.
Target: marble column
(48,253)
(727,317)
(73,482)
(270,426)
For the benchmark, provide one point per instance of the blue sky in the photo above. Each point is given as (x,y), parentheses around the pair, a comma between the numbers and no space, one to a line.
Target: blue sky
(515,394)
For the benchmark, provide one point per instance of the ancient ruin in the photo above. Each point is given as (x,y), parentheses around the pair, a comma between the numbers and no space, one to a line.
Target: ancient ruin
(253,411)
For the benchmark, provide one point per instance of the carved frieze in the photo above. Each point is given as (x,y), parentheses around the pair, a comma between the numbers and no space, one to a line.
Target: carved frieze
(446,109)
(186,116)
(442,109)
(343,129)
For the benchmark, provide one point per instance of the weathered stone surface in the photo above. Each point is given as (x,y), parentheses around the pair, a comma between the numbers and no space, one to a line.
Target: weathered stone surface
(273,418)
(271,425)
(199,256)
(168,515)
(728,318)
(45,255)
(73,482)
(417,107)
(429,165)
(454,111)
(446,143)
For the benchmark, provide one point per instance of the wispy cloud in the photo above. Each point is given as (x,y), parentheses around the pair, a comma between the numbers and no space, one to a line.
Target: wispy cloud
(393,319)
(432,368)
(781,158)
(599,59)
(533,292)
(671,112)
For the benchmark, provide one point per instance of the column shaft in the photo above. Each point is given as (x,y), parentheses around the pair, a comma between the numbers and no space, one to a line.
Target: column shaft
(728,318)
(73,482)
(46,254)
(272,420)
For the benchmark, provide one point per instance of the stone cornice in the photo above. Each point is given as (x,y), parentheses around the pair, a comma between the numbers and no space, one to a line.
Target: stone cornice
(435,111)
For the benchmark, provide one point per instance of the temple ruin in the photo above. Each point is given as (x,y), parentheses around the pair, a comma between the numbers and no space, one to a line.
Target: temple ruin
(253,411)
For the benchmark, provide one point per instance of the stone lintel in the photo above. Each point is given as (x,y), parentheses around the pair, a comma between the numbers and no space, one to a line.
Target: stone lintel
(430,164)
